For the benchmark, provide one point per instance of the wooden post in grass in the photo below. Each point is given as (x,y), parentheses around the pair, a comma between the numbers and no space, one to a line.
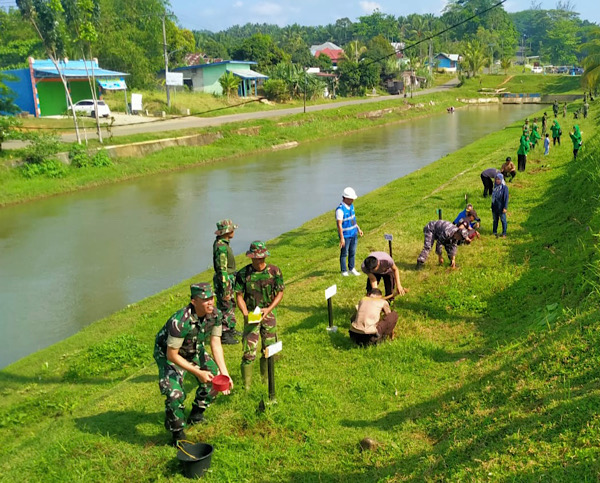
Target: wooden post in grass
(329,293)
(270,351)
(389,237)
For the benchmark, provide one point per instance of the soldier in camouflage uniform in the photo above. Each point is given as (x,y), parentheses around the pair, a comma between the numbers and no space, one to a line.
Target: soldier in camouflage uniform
(446,234)
(179,348)
(258,285)
(224,278)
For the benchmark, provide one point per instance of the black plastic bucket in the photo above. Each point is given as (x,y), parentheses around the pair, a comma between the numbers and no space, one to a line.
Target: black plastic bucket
(195,458)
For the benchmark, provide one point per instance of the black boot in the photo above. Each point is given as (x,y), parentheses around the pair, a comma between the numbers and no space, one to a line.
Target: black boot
(196,416)
(228,338)
(177,436)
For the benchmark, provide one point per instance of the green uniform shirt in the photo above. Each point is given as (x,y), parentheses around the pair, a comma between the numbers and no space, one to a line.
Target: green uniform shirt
(223,262)
(186,331)
(524,147)
(259,288)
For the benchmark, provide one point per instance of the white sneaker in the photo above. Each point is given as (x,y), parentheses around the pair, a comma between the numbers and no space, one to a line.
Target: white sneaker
(355,272)
(345,274)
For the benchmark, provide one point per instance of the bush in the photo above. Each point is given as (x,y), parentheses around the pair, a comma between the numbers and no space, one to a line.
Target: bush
(276,90)
(41,148)
(101,159)
(79,156)
(51,168)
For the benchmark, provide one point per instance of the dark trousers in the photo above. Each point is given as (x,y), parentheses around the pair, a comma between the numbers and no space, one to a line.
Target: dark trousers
(499,216)
(388,282)
(348,250)
(575,151)
(555,140)
(385,329)
(488,185)
(510,175)
(522,161)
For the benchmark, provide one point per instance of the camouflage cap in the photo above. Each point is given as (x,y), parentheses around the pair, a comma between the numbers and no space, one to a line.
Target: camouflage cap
(258,249)
(225,226)
(201,290)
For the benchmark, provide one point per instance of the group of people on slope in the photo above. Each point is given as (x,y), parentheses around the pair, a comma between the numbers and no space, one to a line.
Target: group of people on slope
(179,347)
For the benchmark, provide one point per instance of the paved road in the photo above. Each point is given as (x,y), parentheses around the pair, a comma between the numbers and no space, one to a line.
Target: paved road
(198,122)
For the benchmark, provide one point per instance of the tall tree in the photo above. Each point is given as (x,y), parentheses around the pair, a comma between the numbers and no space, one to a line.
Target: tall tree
(591,63)
(46,18)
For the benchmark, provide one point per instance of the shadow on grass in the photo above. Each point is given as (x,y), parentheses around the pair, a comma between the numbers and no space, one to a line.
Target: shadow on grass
(123,425)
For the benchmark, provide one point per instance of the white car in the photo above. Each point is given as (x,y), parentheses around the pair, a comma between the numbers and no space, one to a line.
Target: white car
(86,107)
(537,70)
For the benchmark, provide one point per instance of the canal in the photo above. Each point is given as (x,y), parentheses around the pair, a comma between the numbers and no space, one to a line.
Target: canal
(70,260)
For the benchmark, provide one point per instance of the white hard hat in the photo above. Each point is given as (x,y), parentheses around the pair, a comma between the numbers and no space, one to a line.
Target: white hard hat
(349,193)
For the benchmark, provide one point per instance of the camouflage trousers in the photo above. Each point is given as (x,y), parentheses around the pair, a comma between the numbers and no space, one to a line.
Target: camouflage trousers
(266,329)
(225,306)
(171,385)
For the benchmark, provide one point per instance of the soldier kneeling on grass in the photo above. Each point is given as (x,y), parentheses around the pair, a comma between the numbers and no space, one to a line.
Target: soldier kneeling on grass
(374,321)
(179,348)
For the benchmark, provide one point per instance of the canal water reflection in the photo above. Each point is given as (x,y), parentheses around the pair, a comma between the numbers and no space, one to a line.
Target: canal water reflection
(70,260)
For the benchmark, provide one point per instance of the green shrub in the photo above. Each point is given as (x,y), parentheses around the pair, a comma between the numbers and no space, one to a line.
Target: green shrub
(79,156)
(41,148)
(101,159)
(276,90)
(51,168)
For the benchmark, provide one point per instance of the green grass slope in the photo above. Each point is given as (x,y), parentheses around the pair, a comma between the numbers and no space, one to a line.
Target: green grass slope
(493,375)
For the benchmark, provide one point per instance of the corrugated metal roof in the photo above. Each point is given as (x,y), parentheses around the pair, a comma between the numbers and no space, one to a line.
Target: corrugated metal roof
(203,66)
(72,68)
(247,74)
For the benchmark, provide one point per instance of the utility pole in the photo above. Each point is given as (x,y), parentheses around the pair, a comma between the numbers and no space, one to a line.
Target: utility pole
(166,59)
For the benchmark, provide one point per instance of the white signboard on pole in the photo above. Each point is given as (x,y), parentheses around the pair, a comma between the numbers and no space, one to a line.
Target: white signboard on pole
(136,102)
(273,349)
(388,236)
(174,78)
(330,292)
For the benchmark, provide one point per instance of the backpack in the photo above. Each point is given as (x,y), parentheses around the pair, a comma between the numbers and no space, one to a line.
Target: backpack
(560,132)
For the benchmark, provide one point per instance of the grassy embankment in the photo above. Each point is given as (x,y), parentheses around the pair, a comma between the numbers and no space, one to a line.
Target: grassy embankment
(14,188)
(493,375)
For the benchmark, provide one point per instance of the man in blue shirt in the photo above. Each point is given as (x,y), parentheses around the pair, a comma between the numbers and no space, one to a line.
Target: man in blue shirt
(348,231)
(470,215)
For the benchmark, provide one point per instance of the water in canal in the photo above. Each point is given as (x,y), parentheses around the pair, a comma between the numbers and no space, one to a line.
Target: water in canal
(70,260)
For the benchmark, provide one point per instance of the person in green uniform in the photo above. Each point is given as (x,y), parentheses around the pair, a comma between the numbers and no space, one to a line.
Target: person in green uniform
(224,278)
(535,135)
(258,285)
(576,139)
(556,132)
(522,152)
(179,349)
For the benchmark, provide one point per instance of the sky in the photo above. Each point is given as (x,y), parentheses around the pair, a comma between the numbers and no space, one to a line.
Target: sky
(218,15)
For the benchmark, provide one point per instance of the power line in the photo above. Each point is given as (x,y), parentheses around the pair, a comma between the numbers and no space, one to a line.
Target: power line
(475,15)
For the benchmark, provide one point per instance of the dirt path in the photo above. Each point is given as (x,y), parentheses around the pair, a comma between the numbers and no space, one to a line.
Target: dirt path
(506,80)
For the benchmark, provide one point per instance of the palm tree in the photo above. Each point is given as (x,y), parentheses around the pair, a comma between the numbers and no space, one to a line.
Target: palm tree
(591,63)
(229,83)
(505,63)
(473,56)
(354,49)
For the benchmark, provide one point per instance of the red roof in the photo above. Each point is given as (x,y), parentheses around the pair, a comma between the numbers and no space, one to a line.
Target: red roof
(334,55)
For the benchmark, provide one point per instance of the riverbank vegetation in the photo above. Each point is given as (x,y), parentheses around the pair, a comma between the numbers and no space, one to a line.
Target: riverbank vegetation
(261,135)
(493,375)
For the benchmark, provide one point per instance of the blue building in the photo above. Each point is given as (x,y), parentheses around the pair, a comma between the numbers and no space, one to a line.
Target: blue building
(40,91)
(447,62)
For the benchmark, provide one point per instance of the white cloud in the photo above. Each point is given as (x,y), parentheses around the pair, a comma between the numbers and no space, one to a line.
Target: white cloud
(369,7)
(238,4)
(267,9)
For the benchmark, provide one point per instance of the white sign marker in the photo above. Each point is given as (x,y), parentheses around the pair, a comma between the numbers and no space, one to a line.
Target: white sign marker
(330,292)
(388,236)
(273,349)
